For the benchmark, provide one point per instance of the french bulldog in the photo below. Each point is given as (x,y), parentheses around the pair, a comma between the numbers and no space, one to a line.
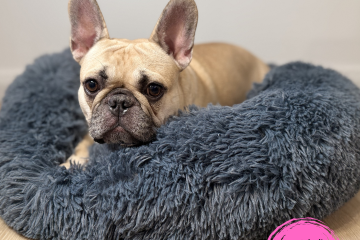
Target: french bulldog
(128,88)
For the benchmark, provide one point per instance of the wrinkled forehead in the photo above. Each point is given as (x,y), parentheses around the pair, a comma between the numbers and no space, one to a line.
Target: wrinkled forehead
(125,59)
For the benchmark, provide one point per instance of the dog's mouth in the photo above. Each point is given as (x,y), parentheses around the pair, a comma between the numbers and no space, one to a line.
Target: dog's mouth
(119,119)
(122,131)
(99,140)
(118,135)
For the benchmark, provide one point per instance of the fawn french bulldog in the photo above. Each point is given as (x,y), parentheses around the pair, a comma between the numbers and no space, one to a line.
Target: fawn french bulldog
(130,87)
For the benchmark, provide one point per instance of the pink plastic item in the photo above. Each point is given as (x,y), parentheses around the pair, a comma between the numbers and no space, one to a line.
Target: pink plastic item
(303,229)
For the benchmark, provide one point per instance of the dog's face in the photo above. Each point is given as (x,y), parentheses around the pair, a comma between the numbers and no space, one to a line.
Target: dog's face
(129,88)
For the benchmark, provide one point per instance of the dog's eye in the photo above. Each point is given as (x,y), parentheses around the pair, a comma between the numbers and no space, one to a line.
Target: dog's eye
(154,90)
(92,85)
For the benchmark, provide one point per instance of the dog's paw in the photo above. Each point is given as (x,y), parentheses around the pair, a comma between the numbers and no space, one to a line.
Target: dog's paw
(74,160)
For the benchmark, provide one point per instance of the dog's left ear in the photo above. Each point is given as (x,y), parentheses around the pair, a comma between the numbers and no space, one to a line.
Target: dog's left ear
(175,30)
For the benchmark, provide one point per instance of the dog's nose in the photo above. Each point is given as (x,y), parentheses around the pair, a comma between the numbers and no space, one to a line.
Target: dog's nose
(120,103)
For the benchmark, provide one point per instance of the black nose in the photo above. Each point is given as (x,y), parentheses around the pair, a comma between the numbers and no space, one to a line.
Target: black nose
(119,103)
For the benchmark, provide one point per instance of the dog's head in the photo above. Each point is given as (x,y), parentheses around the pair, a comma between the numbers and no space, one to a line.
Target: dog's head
(130,87)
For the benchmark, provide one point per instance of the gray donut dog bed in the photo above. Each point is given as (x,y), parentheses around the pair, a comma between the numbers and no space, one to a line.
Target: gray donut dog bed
(291,150)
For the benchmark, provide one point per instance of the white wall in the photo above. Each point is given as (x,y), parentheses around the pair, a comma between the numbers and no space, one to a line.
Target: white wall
(324,32)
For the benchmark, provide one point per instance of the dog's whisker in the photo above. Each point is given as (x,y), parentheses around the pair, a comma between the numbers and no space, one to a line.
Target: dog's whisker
(100,62)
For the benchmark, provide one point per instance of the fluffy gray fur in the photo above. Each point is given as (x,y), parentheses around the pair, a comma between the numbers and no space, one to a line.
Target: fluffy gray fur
(291,150)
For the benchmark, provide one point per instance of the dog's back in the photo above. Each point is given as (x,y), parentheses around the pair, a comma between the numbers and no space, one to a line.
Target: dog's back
(226,73)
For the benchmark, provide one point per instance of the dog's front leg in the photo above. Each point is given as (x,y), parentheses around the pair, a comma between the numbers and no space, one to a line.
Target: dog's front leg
(81,153)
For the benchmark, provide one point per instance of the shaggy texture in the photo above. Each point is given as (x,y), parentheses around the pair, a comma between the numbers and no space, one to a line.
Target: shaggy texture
(291,150)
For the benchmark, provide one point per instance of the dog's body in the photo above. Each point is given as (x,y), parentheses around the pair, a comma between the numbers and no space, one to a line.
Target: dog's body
(201,79)
(129,88)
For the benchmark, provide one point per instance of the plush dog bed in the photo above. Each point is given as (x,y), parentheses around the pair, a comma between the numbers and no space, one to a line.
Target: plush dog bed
(291,150)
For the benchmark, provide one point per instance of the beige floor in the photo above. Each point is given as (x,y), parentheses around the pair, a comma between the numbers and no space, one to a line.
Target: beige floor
(345,222)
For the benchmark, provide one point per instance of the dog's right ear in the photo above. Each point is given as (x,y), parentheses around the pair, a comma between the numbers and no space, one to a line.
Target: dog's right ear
(87,26)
